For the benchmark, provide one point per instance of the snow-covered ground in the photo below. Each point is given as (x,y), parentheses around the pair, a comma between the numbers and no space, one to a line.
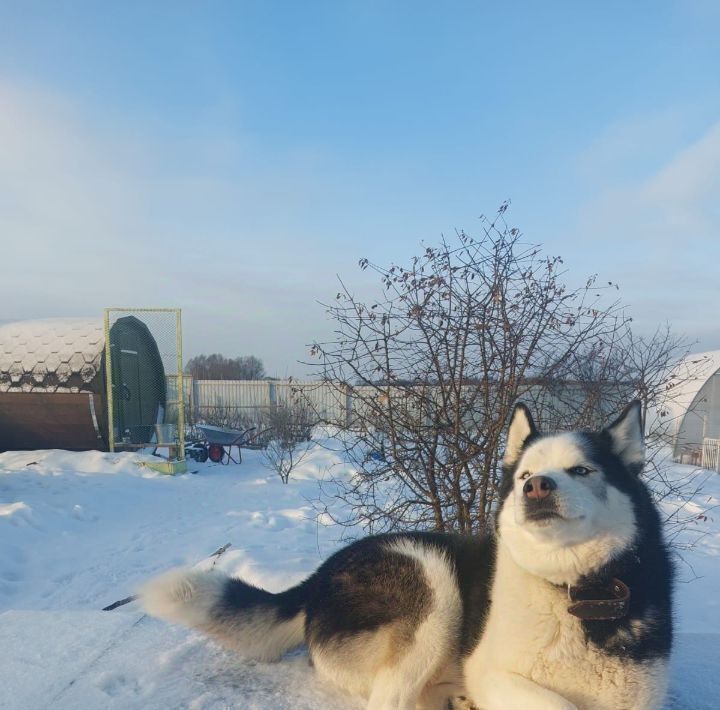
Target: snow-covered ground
(81,530)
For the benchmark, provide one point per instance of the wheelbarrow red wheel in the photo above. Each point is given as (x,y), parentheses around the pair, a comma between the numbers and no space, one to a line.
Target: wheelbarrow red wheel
(216,452)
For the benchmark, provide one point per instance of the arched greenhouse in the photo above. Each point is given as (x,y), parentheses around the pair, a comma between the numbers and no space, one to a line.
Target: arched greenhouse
(694,408)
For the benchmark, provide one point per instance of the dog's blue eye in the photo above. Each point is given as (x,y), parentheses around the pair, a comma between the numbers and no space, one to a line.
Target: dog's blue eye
(578,471)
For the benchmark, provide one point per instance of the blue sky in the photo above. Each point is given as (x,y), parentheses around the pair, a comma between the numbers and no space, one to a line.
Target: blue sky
(233,158)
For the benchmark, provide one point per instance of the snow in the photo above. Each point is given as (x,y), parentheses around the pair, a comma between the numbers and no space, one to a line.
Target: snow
(81,530)
(130,661)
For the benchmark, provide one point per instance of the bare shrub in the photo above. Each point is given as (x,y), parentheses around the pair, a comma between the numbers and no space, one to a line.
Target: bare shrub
(287,430)
(435,366)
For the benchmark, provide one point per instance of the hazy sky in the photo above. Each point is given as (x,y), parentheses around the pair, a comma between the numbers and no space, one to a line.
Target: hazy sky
(234,158)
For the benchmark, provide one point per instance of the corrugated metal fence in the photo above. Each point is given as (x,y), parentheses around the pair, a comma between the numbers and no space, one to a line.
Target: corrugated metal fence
(252,397)
(247,400)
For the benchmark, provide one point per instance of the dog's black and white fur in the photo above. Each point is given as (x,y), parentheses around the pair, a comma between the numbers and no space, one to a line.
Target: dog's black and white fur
(412,620)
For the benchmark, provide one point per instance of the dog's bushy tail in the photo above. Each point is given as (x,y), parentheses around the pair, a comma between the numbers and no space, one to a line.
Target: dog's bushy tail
(251,621)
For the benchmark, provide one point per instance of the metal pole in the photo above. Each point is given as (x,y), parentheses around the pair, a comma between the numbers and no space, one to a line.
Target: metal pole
(348,406)
(180,385)
(108,383)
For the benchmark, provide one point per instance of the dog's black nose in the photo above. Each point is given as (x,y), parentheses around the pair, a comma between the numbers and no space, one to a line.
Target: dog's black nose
(539,487)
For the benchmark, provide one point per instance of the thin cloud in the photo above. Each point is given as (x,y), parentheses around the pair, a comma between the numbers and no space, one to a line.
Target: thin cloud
(90,217)
(658,236)
(686,190)
(675,204)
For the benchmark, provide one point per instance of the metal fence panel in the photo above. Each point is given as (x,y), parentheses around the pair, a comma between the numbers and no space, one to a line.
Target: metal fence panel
(341,405)
(711,454)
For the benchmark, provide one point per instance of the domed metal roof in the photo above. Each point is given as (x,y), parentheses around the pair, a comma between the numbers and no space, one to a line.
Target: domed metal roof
(692,372)
(51,355)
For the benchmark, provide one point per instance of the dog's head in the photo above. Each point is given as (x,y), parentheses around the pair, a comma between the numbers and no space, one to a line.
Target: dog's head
(567,499)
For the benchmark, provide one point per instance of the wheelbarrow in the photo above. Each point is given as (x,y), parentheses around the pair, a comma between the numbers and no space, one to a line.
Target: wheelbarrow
(218,444)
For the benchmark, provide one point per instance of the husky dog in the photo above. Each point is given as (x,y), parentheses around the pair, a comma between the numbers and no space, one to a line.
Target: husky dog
(567,606)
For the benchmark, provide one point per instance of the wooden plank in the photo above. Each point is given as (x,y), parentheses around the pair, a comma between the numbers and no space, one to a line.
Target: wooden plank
(48,420)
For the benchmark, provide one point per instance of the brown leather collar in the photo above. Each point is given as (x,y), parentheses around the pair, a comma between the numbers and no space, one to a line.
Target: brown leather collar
(601,602)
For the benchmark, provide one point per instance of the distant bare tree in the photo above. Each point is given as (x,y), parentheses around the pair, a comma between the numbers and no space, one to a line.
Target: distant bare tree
(600,377)
(219,367)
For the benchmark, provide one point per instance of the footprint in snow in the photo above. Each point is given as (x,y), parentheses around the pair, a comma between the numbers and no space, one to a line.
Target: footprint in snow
(79,513)
(117,684)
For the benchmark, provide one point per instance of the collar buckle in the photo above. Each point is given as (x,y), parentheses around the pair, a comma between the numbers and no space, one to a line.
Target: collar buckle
(599,602)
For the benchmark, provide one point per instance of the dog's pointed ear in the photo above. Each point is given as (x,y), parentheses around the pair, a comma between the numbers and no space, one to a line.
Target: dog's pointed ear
(522,427)
(627,438)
